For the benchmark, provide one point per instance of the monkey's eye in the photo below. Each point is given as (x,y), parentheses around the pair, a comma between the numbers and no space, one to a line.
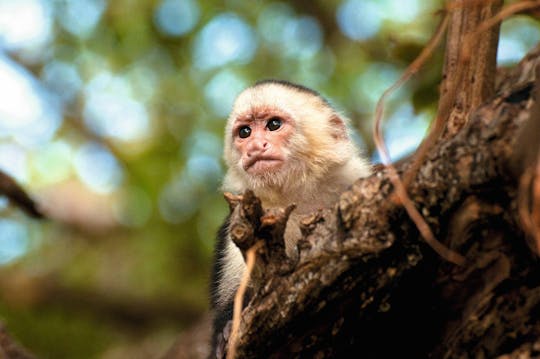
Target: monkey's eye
(274,123)
(244,131)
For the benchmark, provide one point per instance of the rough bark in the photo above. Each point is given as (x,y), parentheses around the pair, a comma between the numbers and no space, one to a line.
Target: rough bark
(470,74)
(366,284)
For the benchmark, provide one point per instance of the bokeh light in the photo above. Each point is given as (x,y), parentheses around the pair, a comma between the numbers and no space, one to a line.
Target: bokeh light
(53,163)
(13,240)
(176,17)
(4,203)
(14,161)
(203,142)
(178,200)
(62,79)
(518,35)
(221,91)
(373,81)
(28,114)
(359,19)
(226,38)
(80,17)
(25,24)
(273,20)
(205,170)
(97,168)
(110,109)
(403,11)
(303,36)
(404,131)
(181,197)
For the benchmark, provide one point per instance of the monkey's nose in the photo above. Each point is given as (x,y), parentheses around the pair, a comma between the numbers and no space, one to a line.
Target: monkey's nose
(257,147)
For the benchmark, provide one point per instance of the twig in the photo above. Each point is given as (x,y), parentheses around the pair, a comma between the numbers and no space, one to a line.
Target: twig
(399,187)
(239,298)
(410,71)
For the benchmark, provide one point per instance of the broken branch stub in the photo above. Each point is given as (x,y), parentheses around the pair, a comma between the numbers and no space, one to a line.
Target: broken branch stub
(274,253)
(250,223)
(246,211)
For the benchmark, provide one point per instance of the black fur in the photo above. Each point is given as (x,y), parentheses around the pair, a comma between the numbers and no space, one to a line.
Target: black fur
(224,313)
(221,241)
(221,315)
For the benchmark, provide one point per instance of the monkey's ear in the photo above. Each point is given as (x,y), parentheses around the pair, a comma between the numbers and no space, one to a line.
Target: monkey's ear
(339,129)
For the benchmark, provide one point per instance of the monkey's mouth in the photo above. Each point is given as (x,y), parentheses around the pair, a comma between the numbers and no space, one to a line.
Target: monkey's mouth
(262,164)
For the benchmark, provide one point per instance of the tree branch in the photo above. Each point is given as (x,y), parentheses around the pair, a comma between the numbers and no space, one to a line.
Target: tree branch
(17,196)
(354,256)
(467,81)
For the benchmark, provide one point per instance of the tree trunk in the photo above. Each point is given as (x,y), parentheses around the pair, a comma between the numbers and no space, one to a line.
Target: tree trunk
(366,285)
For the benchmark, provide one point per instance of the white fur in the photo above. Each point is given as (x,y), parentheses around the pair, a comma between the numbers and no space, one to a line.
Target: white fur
(319,166)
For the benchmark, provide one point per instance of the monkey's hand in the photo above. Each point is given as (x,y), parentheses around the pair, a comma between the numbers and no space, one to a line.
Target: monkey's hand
(250,224)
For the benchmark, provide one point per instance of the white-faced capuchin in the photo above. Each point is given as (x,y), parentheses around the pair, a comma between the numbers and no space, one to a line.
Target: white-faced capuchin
(288,145)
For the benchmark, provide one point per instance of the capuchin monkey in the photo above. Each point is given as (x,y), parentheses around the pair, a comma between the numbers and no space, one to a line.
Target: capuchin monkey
(288,145)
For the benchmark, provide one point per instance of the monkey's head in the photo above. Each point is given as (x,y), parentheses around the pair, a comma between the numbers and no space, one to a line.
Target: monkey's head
(281,137)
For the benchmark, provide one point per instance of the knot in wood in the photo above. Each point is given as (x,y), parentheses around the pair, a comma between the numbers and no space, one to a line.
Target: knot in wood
(242,235)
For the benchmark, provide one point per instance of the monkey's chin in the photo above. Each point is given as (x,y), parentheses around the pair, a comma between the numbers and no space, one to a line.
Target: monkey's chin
(264,167)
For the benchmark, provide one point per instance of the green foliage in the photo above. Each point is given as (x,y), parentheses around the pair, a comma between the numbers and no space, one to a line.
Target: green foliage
(51,332)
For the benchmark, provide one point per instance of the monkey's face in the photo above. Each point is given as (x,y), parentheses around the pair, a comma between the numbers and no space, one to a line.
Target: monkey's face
(261,141)
(282,137)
